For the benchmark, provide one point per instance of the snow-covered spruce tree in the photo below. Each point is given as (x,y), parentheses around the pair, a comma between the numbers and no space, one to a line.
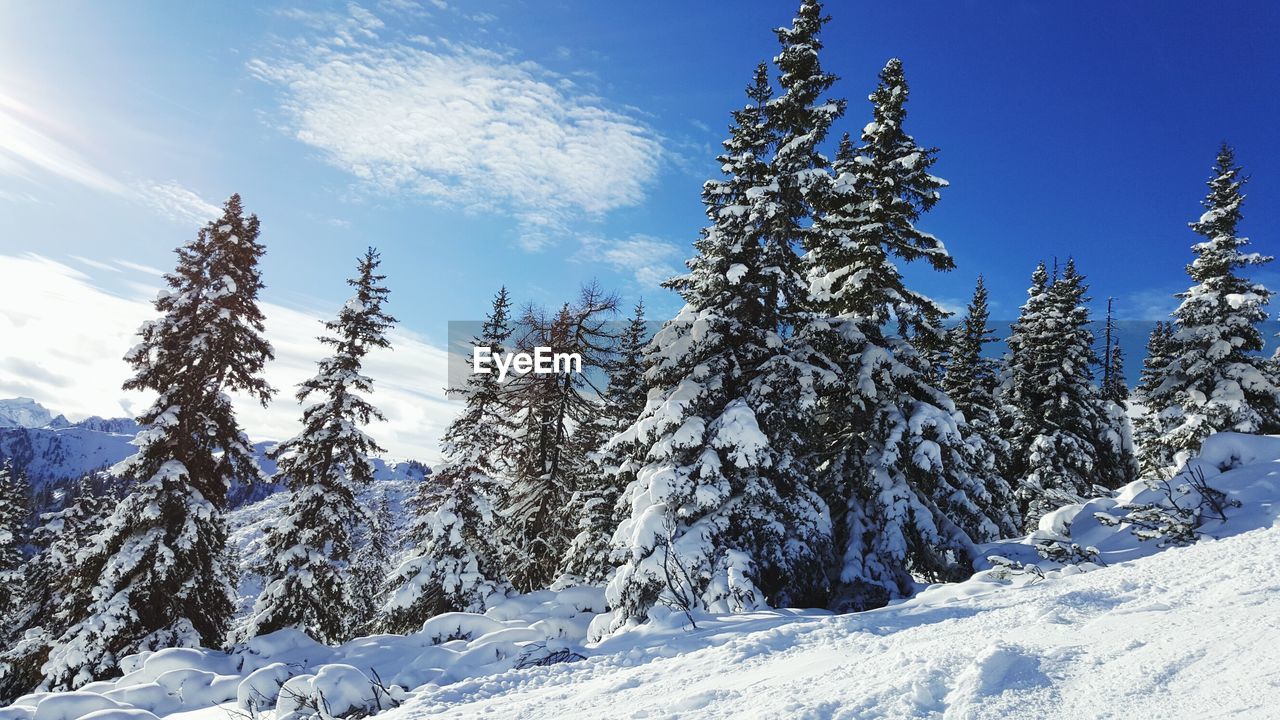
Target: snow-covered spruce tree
(1218,380)
(160,573)
(906,496)
(376,549)
(1017,394)
(783,390)
(1156,397)
(1114,388)
(15,501)
(590,557)
(1063,442)
(705,501)
(1118,463)
(557,416)
(308,575)
(53,590)
(454,562)
(970,381)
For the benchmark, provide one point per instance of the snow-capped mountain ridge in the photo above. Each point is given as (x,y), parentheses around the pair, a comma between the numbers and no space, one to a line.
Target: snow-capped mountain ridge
(23,412)
(58,450)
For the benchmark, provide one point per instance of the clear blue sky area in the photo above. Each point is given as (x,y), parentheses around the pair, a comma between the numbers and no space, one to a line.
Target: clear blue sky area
(541,144)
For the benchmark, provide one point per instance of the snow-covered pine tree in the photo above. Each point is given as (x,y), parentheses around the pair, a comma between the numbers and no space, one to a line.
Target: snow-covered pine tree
(376,551)
(1064,443)
(1117,461)
(161,574)
(970,381)
(590,557)
(454,564)
(1218,380)
(1017,395)
(1156,398)
(783,390)
(15,503)
(704,521)
(558,416)
(906,499)
(308,575)
(1114,387)
(54,590)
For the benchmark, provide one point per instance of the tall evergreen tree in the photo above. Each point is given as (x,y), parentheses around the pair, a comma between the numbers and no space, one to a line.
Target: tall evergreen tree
(454,565)
(590,557)
(161,574)
(704,525)
(970,381)
(1157,400)
(1118,463)
(1114,388)
(1063,440)
(1218,380)
(898,467)
(324,467)
(558,415)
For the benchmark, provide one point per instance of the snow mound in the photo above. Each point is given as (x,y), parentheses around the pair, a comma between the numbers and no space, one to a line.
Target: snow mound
(292,677)
(1244,468)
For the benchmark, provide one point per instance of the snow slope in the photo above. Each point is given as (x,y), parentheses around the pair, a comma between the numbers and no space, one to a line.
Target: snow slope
(1175,633)
(1189,633)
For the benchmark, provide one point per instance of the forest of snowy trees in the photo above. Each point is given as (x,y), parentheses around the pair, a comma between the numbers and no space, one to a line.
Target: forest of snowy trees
(807,431)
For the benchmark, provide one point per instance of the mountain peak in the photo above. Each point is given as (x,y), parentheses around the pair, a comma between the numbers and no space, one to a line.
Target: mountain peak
(23,412)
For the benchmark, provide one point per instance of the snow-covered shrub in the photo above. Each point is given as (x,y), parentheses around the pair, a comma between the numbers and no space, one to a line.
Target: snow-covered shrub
(1064,551)
(542,654)
(334,691)
(1185,502)
(261,689)
(1002,568)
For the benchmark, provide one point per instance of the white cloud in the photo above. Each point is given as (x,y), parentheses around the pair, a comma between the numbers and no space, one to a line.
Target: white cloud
(464,126)
(29,146)
(65,337)
(1149,304)
(648,259)
(176,202)
(146,269)
(26,144)
(96,264)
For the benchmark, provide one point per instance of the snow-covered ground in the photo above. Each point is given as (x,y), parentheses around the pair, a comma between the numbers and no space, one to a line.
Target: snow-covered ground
(1186,632)
(1189,633)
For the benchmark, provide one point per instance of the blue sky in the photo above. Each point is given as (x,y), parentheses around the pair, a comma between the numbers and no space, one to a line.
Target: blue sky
(543,144)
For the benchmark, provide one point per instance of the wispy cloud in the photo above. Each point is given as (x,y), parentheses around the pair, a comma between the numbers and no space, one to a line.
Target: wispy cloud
(177,202)
(145,269)
(28,145)
(649,259)
(33,146)
(462,125)
(65,337)
(1149,304)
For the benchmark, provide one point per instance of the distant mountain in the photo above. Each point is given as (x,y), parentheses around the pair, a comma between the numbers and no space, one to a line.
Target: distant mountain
(53,451)
(23,413)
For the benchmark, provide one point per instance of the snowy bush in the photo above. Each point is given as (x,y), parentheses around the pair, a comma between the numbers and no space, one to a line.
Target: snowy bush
(1185,502)
(335,691)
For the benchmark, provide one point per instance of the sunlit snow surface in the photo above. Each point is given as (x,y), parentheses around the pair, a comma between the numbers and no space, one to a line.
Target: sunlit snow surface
(1180,633)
